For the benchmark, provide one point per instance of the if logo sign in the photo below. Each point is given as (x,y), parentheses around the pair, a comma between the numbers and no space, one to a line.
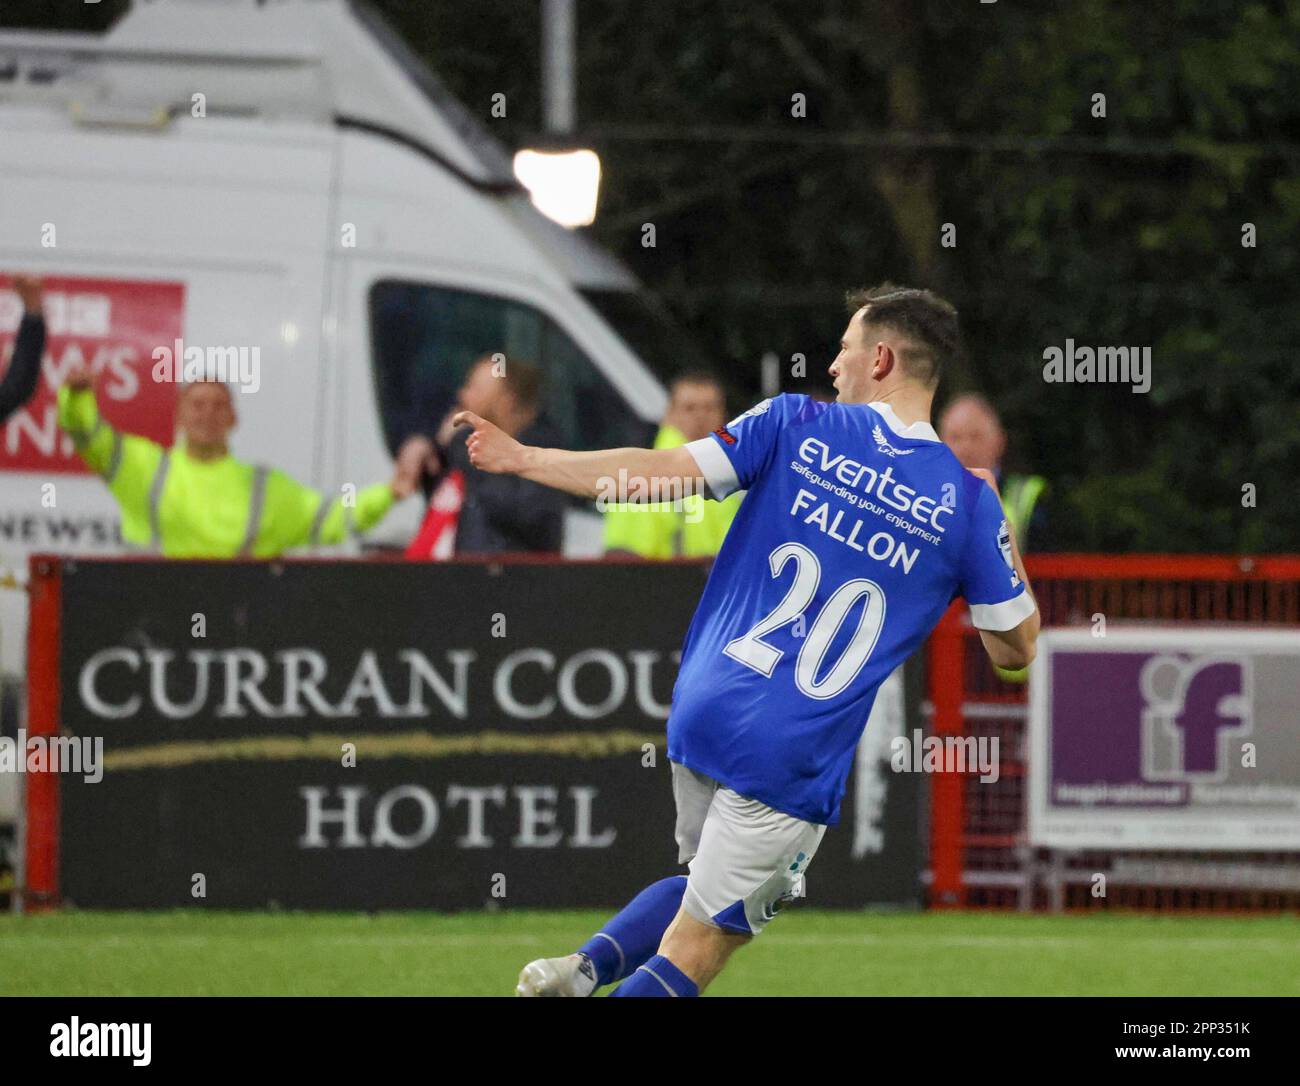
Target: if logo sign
(1196,709)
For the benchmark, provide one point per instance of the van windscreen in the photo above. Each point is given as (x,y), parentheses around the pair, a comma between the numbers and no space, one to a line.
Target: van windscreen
(426,338)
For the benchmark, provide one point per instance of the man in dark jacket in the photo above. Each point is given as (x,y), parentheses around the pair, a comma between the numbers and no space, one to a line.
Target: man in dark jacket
(499,513)
(24,368)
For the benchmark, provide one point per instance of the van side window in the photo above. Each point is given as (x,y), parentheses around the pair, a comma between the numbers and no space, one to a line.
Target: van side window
(425,338)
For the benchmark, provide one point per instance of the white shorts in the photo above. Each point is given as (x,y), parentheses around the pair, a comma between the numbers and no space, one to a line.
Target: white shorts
(746,860)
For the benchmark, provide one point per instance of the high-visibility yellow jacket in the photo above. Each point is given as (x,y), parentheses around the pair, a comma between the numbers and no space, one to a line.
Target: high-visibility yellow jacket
(691,528)
(181,507)
(1020,494)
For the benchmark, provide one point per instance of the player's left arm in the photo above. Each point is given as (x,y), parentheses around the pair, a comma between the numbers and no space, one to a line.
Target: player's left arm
(1008,627)
(1014,650)
(611,474)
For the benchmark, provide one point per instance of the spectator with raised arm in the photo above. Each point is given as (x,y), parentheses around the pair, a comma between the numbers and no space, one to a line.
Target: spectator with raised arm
(24,369)
(195,500)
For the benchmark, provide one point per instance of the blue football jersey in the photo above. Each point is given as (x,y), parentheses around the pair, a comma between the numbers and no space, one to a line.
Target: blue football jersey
(855,534)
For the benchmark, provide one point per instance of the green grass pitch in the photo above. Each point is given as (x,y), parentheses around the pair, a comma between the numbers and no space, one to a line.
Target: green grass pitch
(804,952)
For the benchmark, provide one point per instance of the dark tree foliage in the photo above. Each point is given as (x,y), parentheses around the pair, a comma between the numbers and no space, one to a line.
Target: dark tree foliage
(1117,230)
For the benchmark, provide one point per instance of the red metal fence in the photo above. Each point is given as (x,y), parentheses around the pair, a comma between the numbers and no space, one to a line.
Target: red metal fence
(980,856)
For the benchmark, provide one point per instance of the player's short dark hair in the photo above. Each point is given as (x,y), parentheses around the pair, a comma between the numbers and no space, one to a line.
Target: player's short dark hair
(922,316)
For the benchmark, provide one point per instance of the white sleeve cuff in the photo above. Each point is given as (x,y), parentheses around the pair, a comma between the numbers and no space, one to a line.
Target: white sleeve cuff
(715,466)
(1006,615)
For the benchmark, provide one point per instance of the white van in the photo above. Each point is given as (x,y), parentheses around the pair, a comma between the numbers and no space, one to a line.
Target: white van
(286,177)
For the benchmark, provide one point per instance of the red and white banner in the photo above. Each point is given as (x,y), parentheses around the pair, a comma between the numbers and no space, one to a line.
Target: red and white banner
(113,326)
(436,539)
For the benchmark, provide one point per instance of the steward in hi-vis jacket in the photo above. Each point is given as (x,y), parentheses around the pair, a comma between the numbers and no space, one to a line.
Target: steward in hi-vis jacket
(195,500)
(689,528)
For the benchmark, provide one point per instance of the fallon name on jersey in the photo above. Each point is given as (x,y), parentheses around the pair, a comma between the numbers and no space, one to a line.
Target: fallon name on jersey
(855,534)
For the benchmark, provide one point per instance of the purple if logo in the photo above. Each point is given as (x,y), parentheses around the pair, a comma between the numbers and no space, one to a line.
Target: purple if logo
(1193,709)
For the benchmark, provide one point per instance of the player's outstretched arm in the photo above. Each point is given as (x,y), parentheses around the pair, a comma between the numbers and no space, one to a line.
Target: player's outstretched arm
(1012,649)
(610,474)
